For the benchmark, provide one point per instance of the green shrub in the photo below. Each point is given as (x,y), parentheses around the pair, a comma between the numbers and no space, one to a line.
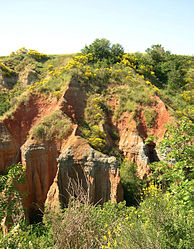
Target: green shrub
(150,116)
(6,71)
(4,102)
(175,172)
(27,236)
(164,69)
(131,183)
(95,110)
(96,137)
(113,134)
(10,199)
(156,223)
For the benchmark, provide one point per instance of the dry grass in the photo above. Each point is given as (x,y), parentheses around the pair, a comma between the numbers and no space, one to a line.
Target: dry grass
(76,226)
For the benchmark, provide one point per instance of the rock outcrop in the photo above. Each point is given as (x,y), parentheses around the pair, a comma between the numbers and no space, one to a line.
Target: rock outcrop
(9,149)
(28,113)
(74,101)
(132,136)
(40,161)
(85,169)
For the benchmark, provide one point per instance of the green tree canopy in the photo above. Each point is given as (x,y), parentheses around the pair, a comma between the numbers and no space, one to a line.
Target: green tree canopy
(101,49)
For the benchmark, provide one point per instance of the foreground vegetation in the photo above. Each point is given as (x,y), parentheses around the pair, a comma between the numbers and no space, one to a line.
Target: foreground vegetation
(157,212)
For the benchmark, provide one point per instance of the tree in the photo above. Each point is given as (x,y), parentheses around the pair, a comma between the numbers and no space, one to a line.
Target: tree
(117,52)
(101,49)
(157,53)
(170,70)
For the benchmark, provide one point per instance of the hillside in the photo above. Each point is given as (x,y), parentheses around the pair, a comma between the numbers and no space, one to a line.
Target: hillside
(93,120)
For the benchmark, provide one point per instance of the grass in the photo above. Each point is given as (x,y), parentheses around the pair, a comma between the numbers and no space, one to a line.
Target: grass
(54,86)
(14,101)
(4,102)
(95,109)
(55,126)
(175,103)
(132,96)
(150,116)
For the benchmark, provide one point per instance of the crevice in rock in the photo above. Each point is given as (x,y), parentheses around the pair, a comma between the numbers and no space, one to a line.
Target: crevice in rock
(141,127)
(74,103)
(35,216)
(151,152)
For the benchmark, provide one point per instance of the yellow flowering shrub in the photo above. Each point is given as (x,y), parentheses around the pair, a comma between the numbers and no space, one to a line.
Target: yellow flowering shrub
(29,52)
(96,138)
(6,71)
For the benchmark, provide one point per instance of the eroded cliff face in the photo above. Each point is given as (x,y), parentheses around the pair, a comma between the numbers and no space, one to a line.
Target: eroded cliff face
(52,165)
(28,113)
(81,168)
(9,149)
(132,134)
(40,162)
(73,102)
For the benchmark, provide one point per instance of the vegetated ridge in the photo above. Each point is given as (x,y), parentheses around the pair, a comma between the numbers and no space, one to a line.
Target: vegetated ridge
(84,118)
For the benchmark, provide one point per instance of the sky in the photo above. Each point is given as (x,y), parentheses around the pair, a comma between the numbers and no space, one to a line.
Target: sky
(66,26)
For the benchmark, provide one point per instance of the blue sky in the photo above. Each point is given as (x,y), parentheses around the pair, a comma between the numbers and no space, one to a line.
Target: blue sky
(65,26)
